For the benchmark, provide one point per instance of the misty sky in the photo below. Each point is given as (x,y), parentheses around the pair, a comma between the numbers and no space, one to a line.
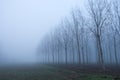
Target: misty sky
(24,22)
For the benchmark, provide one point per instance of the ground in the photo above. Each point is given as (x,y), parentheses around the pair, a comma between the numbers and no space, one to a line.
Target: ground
(49,72)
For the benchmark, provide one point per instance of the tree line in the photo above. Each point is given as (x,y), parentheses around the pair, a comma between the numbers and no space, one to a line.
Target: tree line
(85,37)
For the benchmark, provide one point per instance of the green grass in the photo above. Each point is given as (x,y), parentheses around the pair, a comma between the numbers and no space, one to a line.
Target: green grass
(48,73)
(95,77)
(83,76)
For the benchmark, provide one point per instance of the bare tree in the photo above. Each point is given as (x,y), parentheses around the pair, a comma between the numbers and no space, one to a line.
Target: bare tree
(65,37)
(98,10)
(76,29)
(116,26)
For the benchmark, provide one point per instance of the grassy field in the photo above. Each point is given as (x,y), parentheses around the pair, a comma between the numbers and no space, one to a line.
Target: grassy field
(45,72)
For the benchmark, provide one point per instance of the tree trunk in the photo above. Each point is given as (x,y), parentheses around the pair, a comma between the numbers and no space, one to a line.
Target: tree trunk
(73,54)
(79,56)
(53,57)
(100,52)
(66,55)
(58,56)
(115,48)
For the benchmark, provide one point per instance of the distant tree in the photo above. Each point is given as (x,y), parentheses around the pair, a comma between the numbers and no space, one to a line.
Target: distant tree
(76,29)
(65,38)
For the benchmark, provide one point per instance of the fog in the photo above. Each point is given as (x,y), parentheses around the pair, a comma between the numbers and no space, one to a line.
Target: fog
(24,22)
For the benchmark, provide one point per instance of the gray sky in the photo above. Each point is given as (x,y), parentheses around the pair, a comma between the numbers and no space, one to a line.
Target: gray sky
(24,22)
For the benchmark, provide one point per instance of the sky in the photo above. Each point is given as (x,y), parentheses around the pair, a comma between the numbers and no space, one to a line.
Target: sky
(23,23)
